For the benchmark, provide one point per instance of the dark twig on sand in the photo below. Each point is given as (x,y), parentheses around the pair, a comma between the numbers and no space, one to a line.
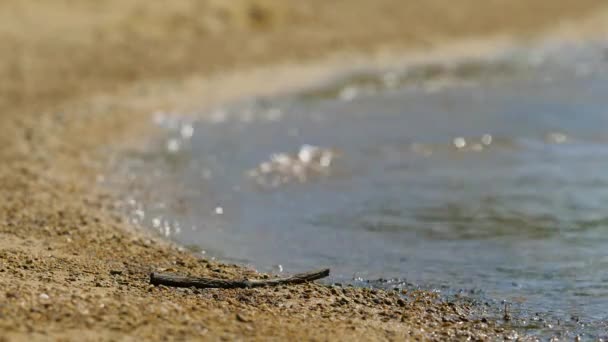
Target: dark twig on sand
(181,281)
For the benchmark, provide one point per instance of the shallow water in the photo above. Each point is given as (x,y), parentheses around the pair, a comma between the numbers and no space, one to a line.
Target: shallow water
(489,177)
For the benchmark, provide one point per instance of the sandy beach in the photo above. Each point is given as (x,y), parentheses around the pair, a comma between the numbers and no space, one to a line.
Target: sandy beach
(80,82)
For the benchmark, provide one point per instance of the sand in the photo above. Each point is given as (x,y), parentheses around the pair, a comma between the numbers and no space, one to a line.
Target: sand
(79,83)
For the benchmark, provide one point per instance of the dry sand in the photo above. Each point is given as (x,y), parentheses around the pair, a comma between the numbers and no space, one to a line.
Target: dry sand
(79,80)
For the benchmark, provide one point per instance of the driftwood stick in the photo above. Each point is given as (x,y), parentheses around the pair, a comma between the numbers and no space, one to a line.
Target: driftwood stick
(201,283)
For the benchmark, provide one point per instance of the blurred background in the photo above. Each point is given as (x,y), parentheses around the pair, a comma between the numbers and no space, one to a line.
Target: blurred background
(57,49)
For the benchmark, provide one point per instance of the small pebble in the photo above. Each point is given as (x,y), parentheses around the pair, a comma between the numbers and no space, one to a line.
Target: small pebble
(242,318)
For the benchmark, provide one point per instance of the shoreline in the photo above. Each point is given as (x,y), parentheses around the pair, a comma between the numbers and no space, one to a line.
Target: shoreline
(72,268)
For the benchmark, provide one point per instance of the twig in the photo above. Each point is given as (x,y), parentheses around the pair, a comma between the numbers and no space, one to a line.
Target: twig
(181,281)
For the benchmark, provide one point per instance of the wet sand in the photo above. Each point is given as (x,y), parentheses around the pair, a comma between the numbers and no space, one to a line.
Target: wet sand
(79,83)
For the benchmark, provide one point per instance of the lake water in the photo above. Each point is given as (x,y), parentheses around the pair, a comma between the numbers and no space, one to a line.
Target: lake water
(480,177)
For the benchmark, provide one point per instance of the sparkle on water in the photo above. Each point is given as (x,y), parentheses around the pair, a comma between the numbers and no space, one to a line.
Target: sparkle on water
(482,177)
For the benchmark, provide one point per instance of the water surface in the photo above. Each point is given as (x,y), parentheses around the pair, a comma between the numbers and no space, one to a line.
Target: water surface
(473,176)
